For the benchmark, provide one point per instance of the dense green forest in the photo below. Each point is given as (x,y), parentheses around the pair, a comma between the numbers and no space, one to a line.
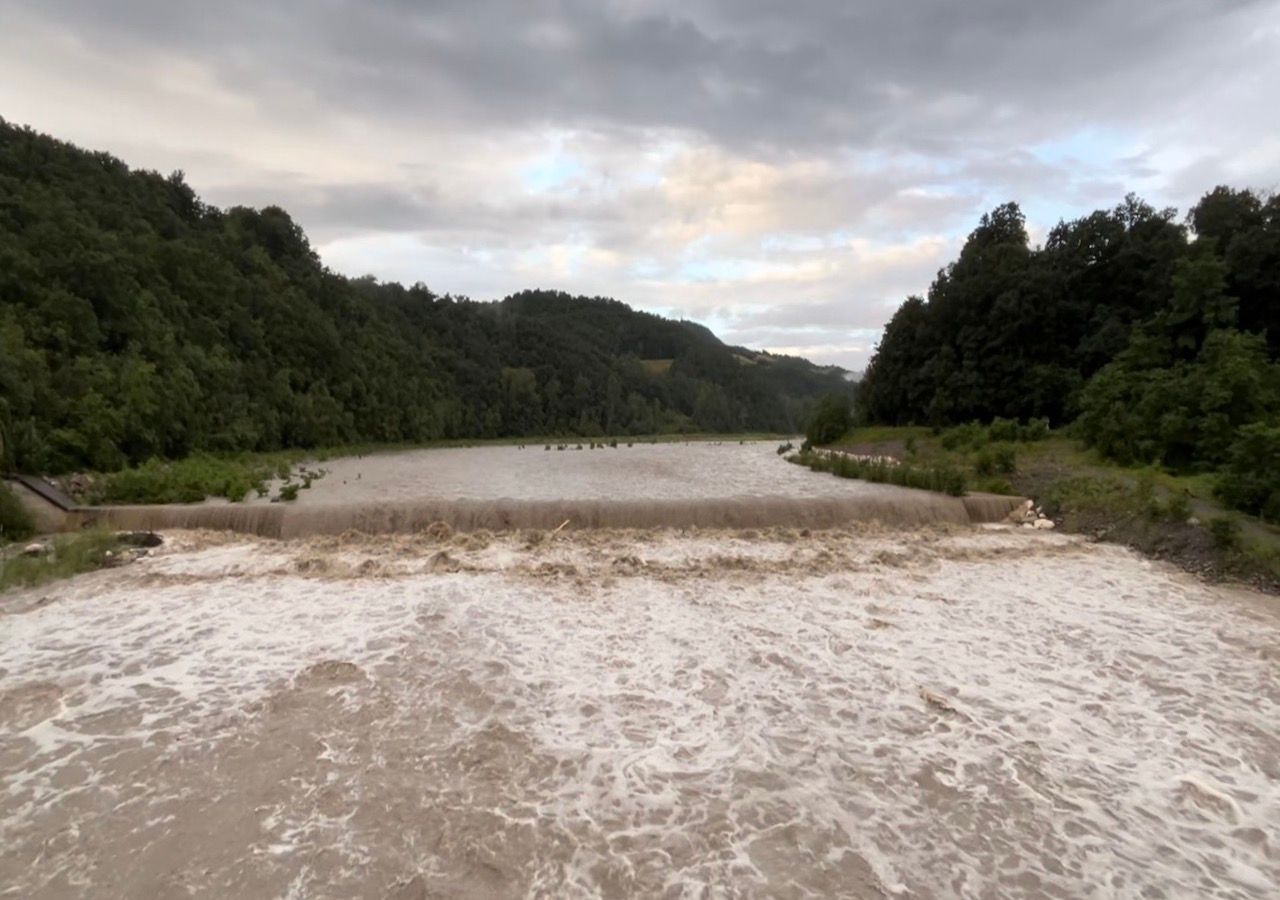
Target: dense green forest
(1157,338)
(138,322)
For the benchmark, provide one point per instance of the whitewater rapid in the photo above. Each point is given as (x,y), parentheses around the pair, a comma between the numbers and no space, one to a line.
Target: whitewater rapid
(859,713)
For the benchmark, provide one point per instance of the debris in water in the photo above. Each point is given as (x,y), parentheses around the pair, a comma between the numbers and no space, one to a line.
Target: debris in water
(938,701)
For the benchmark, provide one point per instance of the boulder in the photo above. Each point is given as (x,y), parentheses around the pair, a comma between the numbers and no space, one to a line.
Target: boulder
(1044,524)
(36,549)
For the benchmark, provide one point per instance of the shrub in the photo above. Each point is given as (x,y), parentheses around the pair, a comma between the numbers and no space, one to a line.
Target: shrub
(944,479)
(831,419)
(983,463)
(190,480)
(1225,532)
(1092,495)
(1144,407)
(971,434)
(996,459)
(1034,430)
(70,555)
(1004,430)
(1145,491)
(1178,508)
(994,485)
(1250,481)
(289,492)
(15,521)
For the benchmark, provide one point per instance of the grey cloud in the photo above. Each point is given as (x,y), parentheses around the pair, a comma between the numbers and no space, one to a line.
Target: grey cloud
(922,75)
(834,315)
(878,122)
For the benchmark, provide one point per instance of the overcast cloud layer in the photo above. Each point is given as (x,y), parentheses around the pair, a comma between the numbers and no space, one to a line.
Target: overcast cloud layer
(785,172)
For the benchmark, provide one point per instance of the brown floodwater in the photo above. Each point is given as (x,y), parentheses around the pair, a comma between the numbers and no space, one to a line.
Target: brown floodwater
(692,470)
(936,713)
(703,484)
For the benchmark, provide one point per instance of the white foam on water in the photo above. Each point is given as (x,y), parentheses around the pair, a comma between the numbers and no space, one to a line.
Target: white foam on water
(981,714)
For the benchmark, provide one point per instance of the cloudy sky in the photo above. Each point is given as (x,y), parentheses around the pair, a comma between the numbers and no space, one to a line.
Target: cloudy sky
(786,172)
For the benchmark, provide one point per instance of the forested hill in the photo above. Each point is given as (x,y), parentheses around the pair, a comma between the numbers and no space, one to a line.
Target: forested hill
(137,321)
(1158,337)
(1015,331)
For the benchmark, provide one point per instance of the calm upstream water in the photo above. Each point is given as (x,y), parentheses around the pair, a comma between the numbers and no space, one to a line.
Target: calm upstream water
(696,484)
(696,470)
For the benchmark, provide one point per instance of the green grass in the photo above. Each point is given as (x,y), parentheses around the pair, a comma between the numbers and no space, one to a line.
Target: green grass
(1258,556)
(1199,485)
(71,555)
(986,466)
(1142,505)
(192,479)
(940,478)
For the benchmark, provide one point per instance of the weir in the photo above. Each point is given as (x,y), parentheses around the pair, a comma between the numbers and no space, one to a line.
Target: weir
(500,488)
(896,506)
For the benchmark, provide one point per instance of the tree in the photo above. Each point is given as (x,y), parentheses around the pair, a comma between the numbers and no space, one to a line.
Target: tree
(137,321)
(1251,479)
(831,419)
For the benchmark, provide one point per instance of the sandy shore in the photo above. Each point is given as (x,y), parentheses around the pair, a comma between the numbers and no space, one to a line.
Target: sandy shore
(953,712)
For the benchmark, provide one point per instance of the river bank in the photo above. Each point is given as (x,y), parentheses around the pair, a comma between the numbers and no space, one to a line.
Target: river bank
(1164,516)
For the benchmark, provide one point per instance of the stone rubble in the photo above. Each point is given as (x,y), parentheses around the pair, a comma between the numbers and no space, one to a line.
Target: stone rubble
(1028,515)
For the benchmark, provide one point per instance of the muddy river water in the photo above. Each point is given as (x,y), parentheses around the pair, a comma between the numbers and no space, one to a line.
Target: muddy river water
(703,484)
(937,712)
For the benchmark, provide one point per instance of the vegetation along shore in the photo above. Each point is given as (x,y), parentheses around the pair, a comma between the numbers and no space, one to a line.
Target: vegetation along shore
(1148,343)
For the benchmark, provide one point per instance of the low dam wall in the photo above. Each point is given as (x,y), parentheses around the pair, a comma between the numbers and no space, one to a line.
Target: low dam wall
(900,506)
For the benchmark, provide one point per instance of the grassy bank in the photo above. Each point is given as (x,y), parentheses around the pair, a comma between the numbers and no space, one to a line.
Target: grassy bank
(67,555)
(1164,515)
(943,478)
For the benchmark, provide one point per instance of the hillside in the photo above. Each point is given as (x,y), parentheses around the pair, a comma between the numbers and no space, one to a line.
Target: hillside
(1157,341)
(137,321)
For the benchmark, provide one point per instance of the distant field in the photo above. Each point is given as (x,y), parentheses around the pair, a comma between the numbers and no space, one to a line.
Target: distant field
(656,366)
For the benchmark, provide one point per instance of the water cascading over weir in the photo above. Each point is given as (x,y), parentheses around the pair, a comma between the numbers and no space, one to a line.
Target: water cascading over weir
(693,485)
(901,507)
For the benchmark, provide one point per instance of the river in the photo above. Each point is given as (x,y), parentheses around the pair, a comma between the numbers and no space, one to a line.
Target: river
(946,711)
